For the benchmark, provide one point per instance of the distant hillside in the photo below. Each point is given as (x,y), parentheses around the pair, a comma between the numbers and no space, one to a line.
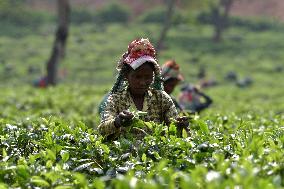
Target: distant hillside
(267,8)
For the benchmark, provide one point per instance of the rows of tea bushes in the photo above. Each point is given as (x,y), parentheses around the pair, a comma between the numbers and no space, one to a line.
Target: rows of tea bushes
(51,141)
(48,137)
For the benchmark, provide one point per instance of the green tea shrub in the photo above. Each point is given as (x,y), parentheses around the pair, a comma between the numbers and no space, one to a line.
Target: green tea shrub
(112,13)
(209,17)
(17,14)
(158,15)
(253,24)
(82,15)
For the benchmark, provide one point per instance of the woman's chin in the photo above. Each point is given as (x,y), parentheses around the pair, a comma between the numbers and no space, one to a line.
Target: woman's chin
(139,91)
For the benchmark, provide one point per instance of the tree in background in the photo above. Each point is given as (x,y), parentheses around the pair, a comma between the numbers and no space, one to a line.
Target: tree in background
(59,44)
(167,24)
(220,14)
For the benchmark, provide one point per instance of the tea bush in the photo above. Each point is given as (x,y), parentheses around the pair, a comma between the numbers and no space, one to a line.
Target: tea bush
(113,12)
(158,15)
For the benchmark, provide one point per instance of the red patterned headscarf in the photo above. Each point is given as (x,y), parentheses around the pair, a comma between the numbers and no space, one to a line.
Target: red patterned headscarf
(171,70)
(139,51)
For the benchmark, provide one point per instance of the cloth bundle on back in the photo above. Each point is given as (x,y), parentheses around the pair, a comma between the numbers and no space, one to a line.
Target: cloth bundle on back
(138,87)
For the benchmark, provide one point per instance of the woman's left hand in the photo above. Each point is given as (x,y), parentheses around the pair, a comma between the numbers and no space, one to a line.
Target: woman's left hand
(182,122)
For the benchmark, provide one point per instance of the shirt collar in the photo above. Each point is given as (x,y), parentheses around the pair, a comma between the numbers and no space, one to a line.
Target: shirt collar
(148,95)
(148,92)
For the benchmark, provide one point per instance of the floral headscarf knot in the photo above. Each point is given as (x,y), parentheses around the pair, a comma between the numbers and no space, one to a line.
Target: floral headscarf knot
(142,47)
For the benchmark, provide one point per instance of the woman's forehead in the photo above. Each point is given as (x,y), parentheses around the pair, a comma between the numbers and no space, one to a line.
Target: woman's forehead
(146,65)
(143,70)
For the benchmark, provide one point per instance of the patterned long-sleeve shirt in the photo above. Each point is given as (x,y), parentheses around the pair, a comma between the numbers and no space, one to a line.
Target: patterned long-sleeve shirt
(158,105)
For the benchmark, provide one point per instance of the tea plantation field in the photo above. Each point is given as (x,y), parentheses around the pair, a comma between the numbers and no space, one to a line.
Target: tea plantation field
(49,138)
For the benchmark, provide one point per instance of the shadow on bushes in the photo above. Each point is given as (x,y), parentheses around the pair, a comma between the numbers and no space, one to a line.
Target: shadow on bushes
(203,45)
(17,21)
(253,24)
(157,15)
(113,13)
(110,13)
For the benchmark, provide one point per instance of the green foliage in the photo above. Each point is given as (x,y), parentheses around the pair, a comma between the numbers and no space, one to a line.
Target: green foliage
(253,24)
(256,24)
(241,146)
(113,12)
(14,12)
(82,15)
(158,15)
(198,5)
(48,137)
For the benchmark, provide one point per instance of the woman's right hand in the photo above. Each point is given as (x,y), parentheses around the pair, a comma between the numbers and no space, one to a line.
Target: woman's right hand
(123,119)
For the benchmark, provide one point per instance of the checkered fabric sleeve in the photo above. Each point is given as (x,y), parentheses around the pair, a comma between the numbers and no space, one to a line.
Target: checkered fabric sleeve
(107,126)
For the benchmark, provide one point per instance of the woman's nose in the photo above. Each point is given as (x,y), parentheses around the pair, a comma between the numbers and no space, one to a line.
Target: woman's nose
(144,82)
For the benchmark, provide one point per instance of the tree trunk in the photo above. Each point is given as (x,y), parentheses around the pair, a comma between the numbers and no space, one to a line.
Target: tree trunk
(58,50)
(167,24)
(221,20)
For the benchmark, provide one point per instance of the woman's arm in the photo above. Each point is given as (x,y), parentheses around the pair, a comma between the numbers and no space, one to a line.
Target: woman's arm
(206,104)
(108,115)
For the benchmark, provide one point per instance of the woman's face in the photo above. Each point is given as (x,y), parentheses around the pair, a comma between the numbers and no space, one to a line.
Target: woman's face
(170,85)
(139,80)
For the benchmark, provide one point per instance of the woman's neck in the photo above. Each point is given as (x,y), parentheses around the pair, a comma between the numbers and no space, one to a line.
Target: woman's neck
(138,100)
